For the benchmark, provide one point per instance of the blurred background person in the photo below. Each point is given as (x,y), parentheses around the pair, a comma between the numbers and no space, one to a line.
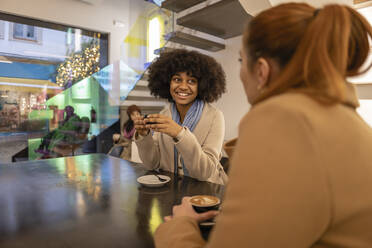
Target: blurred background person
(123,142)
(65,132)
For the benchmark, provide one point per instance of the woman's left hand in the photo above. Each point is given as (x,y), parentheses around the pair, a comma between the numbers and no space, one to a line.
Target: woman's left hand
(186,209)
(163,124)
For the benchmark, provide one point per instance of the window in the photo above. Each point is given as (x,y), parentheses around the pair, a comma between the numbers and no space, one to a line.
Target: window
(154,38)
(2,27)
(24,32)
(33,54)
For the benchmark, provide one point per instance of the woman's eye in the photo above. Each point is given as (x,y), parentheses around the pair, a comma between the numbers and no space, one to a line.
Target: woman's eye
(240,60)
(177,79)
(192,81)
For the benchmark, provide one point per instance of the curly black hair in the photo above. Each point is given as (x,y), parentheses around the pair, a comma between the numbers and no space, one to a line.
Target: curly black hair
(209,73)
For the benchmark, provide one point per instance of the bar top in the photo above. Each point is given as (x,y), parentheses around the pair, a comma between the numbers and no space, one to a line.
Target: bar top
(85,201)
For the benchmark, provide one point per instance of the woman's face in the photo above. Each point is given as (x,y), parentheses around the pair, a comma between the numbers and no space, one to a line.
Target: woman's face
(250,83)
(134,114)
(183,88)
(257,76)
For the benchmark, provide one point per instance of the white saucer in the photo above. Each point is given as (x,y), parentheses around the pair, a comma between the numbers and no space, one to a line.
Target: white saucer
(152,180)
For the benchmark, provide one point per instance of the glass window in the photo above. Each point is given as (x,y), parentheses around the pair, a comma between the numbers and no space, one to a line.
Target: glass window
(55,77)
(2,29)
(24,32)
(38,80)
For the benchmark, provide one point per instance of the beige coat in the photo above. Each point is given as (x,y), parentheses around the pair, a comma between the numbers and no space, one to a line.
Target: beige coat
(200,149)
(301,177)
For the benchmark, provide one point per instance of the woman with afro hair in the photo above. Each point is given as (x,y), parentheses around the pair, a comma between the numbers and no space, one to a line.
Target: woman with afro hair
(186,137)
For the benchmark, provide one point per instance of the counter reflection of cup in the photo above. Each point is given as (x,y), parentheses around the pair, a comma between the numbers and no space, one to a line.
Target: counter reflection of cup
(204,203)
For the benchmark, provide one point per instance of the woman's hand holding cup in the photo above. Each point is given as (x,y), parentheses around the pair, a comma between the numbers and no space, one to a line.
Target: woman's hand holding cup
(162,123)
(188,209)
(140,126)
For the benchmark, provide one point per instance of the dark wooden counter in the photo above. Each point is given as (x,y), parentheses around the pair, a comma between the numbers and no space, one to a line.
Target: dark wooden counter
(85,201)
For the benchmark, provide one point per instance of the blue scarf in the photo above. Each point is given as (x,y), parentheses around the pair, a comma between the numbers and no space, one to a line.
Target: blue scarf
(191,120)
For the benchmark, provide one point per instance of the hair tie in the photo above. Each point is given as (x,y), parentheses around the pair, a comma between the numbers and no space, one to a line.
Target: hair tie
(316,12)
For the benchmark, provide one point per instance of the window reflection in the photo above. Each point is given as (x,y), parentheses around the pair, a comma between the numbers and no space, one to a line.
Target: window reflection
(39,61)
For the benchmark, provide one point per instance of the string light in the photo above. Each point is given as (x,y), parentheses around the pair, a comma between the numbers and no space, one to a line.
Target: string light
(79,65)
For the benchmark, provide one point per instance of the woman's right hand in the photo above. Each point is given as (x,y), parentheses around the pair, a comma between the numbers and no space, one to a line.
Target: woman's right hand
(139,125)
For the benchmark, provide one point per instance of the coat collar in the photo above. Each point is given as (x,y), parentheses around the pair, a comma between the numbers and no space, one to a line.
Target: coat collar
(351,98)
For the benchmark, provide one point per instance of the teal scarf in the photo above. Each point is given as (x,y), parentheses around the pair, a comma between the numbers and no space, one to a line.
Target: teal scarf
(191,120)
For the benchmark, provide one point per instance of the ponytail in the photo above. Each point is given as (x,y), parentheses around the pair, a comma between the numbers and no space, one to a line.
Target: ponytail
(317,49)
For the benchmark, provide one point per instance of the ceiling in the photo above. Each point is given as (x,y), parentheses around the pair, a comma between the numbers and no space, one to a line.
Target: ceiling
(92,2)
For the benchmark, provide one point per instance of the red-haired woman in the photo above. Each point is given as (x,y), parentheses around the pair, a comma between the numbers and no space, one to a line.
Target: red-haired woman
(301,173)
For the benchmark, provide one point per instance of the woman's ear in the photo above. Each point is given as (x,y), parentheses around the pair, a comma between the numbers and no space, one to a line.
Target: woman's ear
(262,72)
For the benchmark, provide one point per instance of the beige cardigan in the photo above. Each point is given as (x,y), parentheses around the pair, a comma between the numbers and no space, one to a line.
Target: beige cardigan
(200,149)
(301,176)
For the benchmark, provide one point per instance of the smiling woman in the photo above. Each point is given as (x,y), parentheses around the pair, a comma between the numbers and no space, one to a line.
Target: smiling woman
(189,132)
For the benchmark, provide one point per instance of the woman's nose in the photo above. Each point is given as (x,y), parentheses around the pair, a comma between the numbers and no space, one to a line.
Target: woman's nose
(183,84)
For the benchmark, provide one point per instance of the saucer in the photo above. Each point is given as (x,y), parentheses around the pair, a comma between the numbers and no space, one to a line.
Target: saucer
(153,181)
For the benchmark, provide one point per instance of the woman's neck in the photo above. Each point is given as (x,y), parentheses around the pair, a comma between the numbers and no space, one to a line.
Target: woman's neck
(182,110)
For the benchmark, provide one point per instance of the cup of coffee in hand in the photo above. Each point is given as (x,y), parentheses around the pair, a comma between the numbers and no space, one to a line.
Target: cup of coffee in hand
(204,203)
(149,122)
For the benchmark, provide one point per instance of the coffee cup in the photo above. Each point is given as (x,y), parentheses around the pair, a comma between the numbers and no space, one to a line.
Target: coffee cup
(204,203)
(149,122)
